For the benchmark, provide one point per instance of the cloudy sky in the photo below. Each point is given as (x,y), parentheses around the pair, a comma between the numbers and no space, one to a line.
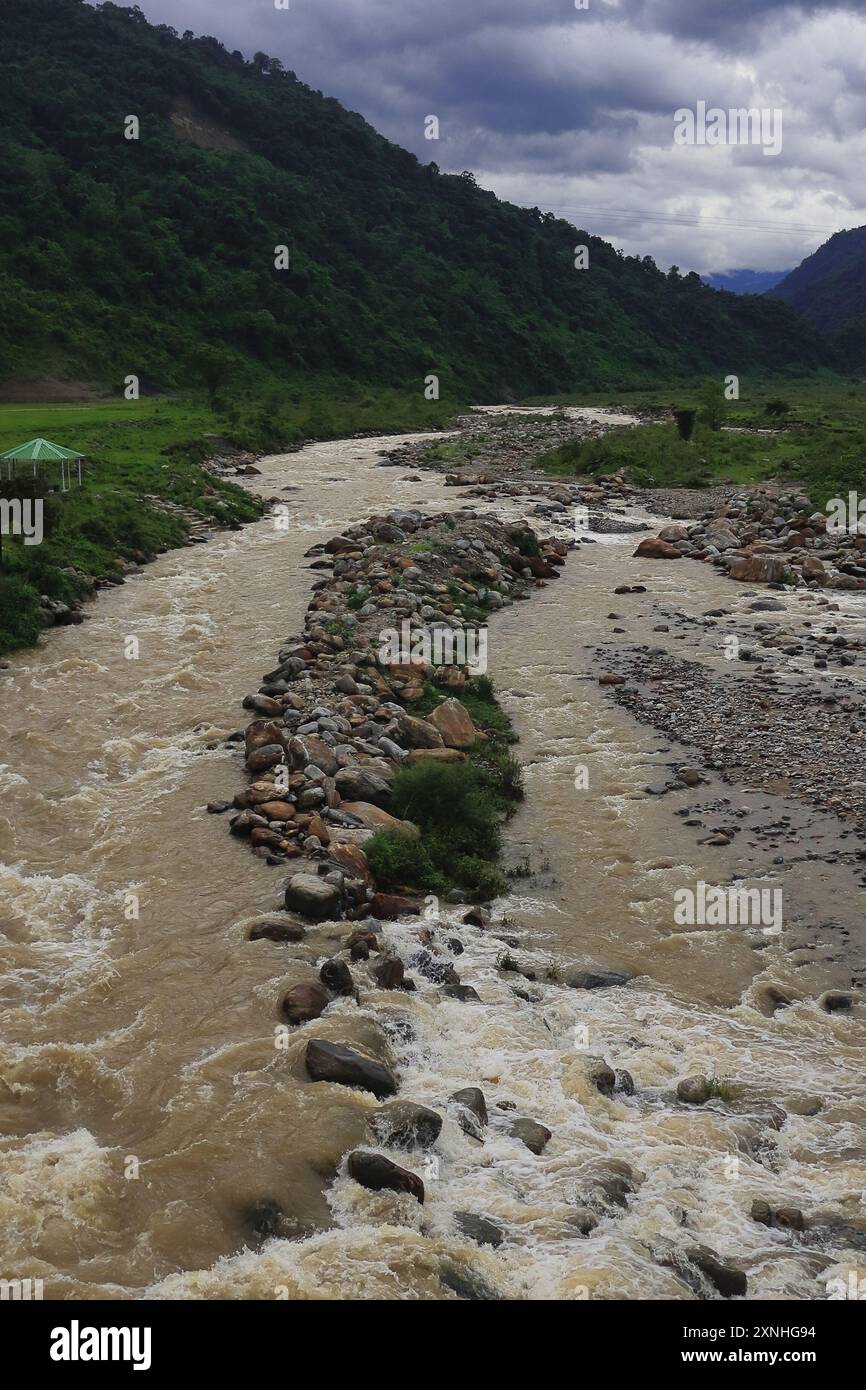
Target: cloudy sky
(572,110)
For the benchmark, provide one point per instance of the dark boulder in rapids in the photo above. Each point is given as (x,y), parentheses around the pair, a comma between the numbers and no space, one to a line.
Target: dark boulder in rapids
(405,1125)
(379,1174)
(337,977)
(479,1228)
(472,1110)
(596,979)
(326,1061)
(304,1002)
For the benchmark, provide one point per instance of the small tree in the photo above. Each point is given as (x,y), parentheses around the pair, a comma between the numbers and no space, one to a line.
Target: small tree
(214,366)
(685,422)
(712,409)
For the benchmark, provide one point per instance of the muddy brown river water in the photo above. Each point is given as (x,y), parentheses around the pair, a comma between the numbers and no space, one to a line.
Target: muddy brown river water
(144,1104)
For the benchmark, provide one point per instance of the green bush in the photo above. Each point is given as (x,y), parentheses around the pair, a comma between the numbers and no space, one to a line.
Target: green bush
(479,878)
(525,541)
(452,805)
(20,624)
(400,861)
(357,598)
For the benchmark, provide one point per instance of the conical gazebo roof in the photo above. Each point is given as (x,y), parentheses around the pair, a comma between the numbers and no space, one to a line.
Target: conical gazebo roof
(40,450)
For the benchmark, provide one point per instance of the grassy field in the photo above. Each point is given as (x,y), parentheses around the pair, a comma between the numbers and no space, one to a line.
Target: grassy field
(149,449)
(816,440)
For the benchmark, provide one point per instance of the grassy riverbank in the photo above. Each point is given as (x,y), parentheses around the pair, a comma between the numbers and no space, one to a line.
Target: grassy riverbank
(144,459)
(812,435)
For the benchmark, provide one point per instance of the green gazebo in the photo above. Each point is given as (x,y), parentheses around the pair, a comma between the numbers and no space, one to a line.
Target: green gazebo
(40,453)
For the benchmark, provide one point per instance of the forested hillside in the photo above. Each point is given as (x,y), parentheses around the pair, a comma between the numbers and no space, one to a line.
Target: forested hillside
(156,255)
(829,288)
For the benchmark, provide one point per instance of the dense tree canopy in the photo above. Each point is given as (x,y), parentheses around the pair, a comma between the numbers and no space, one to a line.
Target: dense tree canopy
(126,255)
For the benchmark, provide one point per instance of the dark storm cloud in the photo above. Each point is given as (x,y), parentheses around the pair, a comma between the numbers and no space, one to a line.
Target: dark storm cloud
(573,110)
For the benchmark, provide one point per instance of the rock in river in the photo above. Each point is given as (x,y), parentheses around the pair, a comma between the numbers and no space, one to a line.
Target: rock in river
(596,979)
(327,1061)
(533,1135)
(405,1125)
(378,1173)
(304,1002)
(312,897)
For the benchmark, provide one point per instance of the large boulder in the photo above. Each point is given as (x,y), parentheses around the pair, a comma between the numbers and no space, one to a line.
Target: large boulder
(532,1134)
(721,537)
(437,755)
(693,1090)
(343,1066)
(654,549)
(336,976)
(363,784)
(759,569)
(471,1110)
(312,897)
(304,1002)
(276,929)
(453,722)
(376,819)
(405,1125)
(479,1228)
(388,907)
(419,733)
(379,1174)
(596,979)
(261,759)
(729,1281)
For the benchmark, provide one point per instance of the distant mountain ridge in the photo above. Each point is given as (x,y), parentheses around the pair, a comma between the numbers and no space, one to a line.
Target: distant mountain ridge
(829,288)
(138,250)
(745,281)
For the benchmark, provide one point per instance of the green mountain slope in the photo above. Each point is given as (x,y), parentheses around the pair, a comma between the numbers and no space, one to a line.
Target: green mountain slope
(829,288)
(126,256)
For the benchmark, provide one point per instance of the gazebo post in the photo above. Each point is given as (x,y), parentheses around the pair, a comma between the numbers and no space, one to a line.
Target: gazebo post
(79,472)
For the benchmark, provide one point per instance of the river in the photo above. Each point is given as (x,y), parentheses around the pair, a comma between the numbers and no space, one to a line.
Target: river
(143,1104)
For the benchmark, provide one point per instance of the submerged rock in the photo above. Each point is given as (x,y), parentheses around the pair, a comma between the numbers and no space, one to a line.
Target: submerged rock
(327,1061)
(406,1125)
(472,1110)
(693,1090)
(534,1135)
(276,929)
(479,1228)
(596,979)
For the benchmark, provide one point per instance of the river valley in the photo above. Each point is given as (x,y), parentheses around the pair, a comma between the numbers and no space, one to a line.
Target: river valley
(144,1107)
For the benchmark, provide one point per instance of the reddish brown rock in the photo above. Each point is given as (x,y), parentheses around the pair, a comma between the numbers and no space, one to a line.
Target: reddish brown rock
(377,819)
(303,1003)
(318,828)
(276,810)
(453,723)
(276,929)
(352,859)
(419,733)
(389,906)
(654,549)
(261,732)
(438,755)
(759,569)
